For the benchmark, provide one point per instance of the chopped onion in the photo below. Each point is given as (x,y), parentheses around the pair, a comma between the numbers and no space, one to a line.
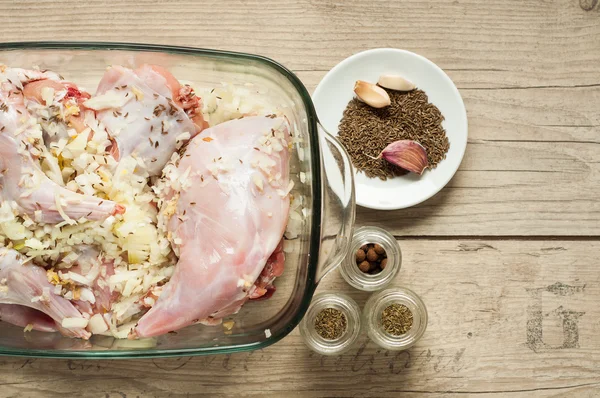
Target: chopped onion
(74,323)
(109,100)
(97,324)
(48,95)
(61,211)
(124,276)
(87,295)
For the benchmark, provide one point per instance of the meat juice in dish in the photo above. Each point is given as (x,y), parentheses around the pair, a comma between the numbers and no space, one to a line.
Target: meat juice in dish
(137,210)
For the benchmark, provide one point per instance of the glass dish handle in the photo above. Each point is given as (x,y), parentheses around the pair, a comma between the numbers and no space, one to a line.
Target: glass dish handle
(338,207)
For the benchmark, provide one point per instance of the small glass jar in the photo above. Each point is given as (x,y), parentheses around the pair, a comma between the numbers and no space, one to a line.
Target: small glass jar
(365,281)
(372,314)
(324,346)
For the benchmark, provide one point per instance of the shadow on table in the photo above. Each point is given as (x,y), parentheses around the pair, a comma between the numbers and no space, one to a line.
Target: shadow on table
(404,221)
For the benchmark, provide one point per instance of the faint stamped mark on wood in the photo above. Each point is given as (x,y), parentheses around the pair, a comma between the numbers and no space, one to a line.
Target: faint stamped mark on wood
(568,318)
(588,5)
(171,364)
(366,359)
(381,362)
(80,364)
(27,363)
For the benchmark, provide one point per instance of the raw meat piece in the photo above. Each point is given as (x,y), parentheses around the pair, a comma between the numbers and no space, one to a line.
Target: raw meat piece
(18,77)
(22,181)
(159,78)
(145,121)
(16,119)
(263,287)
(22,316)
(27,285)
(230,215)
(14,116)
(91,265)
(70,98)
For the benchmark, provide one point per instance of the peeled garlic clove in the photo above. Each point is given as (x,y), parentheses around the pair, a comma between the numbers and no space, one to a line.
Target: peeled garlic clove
(410,155)
(371,94)
(395,82)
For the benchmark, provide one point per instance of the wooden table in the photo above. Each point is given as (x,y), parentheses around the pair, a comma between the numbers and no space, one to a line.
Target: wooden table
(506,257)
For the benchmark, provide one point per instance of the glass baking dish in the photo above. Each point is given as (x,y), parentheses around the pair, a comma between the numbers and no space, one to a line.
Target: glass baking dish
(327,191)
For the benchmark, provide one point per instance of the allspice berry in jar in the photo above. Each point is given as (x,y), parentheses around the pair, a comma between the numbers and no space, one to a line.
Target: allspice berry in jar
(365,266)
(371,258)
(360,256)
(383,263)
(373,261)
(379,249)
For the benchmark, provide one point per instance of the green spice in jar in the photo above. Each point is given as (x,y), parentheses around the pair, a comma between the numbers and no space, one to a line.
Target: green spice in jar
(396,319)
(331,323)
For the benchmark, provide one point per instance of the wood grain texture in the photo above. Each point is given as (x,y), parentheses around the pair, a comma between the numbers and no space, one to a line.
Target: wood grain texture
(504,257)
(497,311)
(529,73)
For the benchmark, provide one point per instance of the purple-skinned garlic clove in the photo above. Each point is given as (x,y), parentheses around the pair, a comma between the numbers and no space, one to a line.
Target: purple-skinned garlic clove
(407,154)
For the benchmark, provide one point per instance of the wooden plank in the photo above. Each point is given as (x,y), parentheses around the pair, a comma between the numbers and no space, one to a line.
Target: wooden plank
(509,318)
(528,72)
(495,43)
(532,167)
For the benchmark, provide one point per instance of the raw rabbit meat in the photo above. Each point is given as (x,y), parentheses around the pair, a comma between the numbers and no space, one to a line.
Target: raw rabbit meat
(23,182)
(230,213)
(22,316)
(58,106)
(21,179)
(27,285)
(145,114)
(220,207)
(91,266)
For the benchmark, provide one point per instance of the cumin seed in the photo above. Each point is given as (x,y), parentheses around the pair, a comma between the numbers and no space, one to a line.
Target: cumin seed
(366,131)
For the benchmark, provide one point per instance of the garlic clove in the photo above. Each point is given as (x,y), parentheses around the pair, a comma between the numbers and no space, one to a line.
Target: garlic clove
(395,82)
(410,155)
(371,94)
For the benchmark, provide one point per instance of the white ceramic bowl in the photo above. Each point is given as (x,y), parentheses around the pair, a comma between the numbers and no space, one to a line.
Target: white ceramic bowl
(335,91)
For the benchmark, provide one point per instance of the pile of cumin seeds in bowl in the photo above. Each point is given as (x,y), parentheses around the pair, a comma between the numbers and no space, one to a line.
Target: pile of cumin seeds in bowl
(366,131)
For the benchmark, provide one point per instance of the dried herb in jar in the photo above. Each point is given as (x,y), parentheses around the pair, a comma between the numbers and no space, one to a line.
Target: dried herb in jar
(396,319)
(366,131)
(371,258)
(331,323)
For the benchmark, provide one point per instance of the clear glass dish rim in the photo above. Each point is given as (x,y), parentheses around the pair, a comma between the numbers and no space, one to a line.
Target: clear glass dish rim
(315,232)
